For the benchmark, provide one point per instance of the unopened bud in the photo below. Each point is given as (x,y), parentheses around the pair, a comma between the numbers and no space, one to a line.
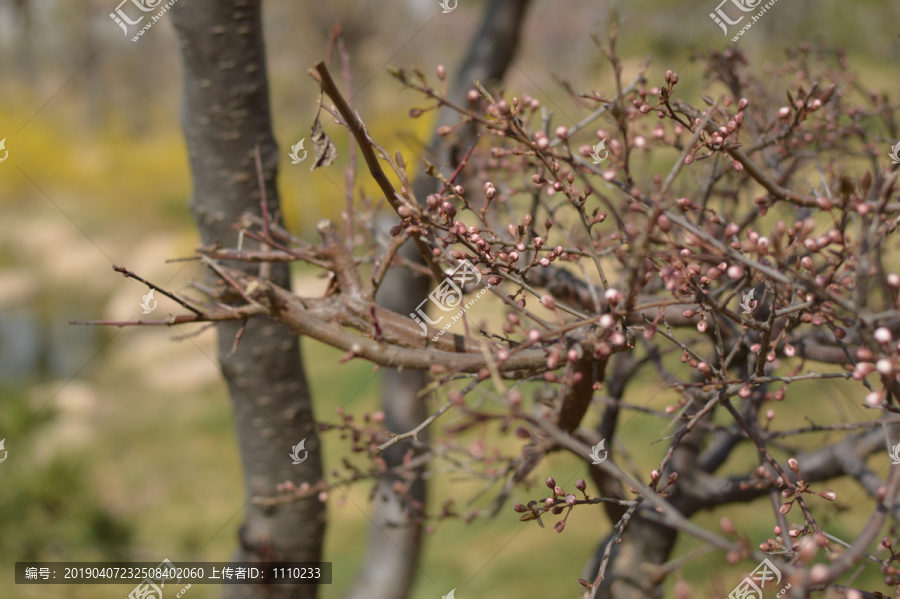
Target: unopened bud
(727,525)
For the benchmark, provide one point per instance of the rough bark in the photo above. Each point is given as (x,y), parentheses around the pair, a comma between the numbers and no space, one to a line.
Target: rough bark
(394,537)
(225,115)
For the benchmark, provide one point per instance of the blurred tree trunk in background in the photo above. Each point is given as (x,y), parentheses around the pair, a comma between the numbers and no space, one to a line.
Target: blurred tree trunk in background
(225,114)
(395,536)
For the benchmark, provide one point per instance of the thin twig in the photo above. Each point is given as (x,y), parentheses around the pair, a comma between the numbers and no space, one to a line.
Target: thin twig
(168,294)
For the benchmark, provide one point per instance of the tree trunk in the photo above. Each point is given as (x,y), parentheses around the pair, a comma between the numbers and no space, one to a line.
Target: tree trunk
(225,115)
(395,536)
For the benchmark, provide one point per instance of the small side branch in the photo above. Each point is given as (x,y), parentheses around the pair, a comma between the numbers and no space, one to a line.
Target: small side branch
(130,275)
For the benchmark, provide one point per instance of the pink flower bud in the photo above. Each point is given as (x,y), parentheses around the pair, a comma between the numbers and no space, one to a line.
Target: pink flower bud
(735,272)
(819,574)
(727,525)
(882,335)
(613,297)
(873,399)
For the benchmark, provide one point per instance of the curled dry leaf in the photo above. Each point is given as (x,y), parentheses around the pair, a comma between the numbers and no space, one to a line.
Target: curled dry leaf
(326,152)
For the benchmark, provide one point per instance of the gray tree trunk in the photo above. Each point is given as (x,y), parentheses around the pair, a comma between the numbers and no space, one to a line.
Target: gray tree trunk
(395,536)
(225,114)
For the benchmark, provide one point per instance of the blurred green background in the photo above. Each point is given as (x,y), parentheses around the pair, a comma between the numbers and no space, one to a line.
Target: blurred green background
(120,441)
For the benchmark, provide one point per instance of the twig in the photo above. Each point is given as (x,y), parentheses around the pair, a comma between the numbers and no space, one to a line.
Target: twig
(171,296)
(418,429)
(358,129)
